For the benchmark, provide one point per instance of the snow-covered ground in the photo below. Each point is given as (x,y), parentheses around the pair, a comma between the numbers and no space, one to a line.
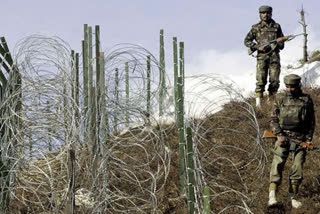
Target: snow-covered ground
(206,93)
(213,79)
(238,70)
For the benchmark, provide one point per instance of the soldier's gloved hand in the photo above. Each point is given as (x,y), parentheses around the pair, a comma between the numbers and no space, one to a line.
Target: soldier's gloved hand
(307,145)
(281,40)
(282,140)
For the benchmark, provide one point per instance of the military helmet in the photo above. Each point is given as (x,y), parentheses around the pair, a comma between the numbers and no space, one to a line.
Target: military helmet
(265,8)
(292,80)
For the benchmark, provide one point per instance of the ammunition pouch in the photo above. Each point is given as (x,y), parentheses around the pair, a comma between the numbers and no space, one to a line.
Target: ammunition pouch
(295,134)
(292,116)
(293,146)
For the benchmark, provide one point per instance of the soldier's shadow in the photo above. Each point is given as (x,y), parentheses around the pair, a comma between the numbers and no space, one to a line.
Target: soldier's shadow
(279,208)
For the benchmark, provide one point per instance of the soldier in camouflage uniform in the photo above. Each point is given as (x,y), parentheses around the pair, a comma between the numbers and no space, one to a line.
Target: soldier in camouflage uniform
(293,121)
(268,58)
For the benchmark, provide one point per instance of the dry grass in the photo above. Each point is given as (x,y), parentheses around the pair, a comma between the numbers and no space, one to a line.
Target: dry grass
(230,160)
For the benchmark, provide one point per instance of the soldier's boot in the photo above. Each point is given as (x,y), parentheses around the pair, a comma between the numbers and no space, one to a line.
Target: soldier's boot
(272,195)
(293,191)
(295,203)
(259,97)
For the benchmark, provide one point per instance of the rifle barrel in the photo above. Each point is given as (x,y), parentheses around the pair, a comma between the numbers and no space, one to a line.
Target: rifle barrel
(288,38)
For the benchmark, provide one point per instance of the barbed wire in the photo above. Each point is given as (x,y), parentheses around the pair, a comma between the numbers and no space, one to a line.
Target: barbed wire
(135,157)
(37,153)
(226,143)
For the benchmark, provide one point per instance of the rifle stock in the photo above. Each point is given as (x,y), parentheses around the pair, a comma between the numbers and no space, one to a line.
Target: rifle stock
(269,134)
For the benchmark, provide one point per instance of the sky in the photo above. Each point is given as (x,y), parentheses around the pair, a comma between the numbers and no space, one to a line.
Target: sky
(212,30)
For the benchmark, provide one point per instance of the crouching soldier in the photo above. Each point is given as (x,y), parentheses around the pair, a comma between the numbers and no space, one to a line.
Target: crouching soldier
(293,121)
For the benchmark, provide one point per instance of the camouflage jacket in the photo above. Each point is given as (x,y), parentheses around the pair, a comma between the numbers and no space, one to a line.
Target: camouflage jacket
(261,33)
(293,116)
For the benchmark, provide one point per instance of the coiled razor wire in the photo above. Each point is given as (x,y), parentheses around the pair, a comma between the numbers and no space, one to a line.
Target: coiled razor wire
(135,159)
(37,151)
(230,158)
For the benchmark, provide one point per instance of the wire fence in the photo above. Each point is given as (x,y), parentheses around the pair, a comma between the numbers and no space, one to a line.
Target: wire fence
(227,144)
(136,156)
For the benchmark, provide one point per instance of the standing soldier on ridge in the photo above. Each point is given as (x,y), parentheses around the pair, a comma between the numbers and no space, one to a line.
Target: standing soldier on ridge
(268,57)
(293,122)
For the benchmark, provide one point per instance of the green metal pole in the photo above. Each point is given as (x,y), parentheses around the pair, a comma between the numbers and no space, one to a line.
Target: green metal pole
(98,92)
(90,72)
(4,50)
(206,200)
(85,76)
(97,36)
(162,74)
(116,94)
(5,177)
(93,137)
(127,92)
(18,89)
(85,44)
(175,70)
(180,118)
(65,113)
(104,127)
(16,120)
(103,90)
(72,180)
(3,80)
(181,60)
(148,84)
(77,91)
(190,167)
(93,122)
(73,74)
(90,66)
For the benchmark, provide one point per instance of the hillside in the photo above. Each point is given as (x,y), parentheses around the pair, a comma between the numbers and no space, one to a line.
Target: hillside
(230,159)
(128,162)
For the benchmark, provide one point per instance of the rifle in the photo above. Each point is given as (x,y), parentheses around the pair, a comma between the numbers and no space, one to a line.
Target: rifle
(284,39)
(269,134)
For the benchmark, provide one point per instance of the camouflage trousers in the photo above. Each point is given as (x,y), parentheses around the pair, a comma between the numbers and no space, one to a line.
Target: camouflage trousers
(268,64)
(281,154)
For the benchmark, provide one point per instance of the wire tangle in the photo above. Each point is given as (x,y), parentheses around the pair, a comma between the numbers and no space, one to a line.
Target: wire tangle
(110,152)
